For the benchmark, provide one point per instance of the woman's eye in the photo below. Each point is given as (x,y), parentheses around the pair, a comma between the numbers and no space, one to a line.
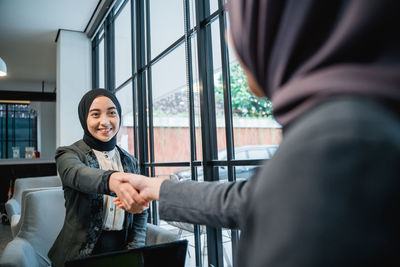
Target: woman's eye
(95,114)
(113,113)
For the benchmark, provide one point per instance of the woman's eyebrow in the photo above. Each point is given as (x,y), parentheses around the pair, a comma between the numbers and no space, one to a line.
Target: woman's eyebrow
(97,109)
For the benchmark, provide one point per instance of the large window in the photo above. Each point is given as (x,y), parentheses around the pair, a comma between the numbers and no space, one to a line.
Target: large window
(18,130)
(187,109)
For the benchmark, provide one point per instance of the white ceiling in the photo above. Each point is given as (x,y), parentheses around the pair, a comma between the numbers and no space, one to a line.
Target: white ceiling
(28,29)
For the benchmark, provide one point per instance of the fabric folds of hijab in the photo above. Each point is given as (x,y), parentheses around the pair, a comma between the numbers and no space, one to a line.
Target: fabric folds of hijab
(304,52)
(83,111)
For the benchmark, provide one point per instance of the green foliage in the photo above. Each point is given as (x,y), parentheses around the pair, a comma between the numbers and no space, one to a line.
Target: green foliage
(244,102)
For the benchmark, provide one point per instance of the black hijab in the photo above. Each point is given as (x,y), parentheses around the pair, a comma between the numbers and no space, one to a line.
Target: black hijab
(304,52)
(83,112)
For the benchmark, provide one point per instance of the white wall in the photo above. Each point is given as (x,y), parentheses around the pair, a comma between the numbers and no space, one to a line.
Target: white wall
(73,80)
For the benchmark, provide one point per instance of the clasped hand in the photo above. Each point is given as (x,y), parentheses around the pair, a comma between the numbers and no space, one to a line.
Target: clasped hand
(134,192)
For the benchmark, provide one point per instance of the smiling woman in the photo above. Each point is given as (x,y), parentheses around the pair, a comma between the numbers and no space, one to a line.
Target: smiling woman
(103,120)
(90,171)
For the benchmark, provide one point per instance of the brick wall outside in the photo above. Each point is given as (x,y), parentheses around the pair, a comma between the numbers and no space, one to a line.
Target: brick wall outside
(172,144)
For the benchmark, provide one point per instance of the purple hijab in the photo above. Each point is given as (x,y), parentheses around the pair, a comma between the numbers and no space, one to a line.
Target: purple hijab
(304,52)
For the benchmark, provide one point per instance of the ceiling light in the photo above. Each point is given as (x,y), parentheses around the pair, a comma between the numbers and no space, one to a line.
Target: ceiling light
(3,68)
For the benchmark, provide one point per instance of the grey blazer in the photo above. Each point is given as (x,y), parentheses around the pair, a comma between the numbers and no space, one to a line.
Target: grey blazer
(211,203)
(84,185)
(328,196)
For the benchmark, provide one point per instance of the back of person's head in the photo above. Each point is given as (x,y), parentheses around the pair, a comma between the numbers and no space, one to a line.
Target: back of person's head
(303,52)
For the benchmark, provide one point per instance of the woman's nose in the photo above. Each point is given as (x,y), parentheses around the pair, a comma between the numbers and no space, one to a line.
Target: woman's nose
(104,120)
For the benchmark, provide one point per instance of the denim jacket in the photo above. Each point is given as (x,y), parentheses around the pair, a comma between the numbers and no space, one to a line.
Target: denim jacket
(84,185)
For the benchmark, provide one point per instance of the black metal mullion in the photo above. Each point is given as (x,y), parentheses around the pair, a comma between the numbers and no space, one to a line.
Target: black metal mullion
(227,92)
(209,135)
(140,59)
(109,54)
(230,147)
(155,218)
(134,76)
(189,80)
(122,85)
(95,62)
(164,53)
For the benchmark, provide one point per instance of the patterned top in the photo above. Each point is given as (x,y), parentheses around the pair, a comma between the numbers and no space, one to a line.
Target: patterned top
(113,215)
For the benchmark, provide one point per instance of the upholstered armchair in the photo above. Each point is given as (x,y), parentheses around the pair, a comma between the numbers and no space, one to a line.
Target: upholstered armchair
(42,218)
(13,206)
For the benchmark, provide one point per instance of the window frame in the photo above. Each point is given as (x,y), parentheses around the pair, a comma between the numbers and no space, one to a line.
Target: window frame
(141,79)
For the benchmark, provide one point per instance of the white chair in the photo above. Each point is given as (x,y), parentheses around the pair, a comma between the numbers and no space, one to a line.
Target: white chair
(157,235)
(42,218)
(13,206)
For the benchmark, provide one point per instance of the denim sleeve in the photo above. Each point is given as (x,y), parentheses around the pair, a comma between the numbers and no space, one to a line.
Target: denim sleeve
(137,233)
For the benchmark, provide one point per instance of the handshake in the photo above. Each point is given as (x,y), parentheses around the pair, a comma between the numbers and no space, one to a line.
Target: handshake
(134,191)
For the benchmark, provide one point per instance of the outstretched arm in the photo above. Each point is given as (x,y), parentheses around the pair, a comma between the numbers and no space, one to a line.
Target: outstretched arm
(212,203)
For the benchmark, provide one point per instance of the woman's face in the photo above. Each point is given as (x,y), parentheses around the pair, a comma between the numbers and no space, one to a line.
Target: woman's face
(103,119)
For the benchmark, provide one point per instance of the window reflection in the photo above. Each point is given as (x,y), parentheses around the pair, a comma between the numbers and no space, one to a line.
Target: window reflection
(170,108)
(18,130)
(219,96)
(253,122)
(125,137)
(123,49)
(166,24)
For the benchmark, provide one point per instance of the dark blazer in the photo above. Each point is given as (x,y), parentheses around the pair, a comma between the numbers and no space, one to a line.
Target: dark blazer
(84,185)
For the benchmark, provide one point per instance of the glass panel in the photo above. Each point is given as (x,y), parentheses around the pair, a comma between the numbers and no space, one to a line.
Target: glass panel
(227,247)
(253,123)
(166,24)
(19,129)
(192,6)
(170,108)
(226,233)
(125,137)
(185,230)
(213,6)
(101,64)
(123,48)
(218,87)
